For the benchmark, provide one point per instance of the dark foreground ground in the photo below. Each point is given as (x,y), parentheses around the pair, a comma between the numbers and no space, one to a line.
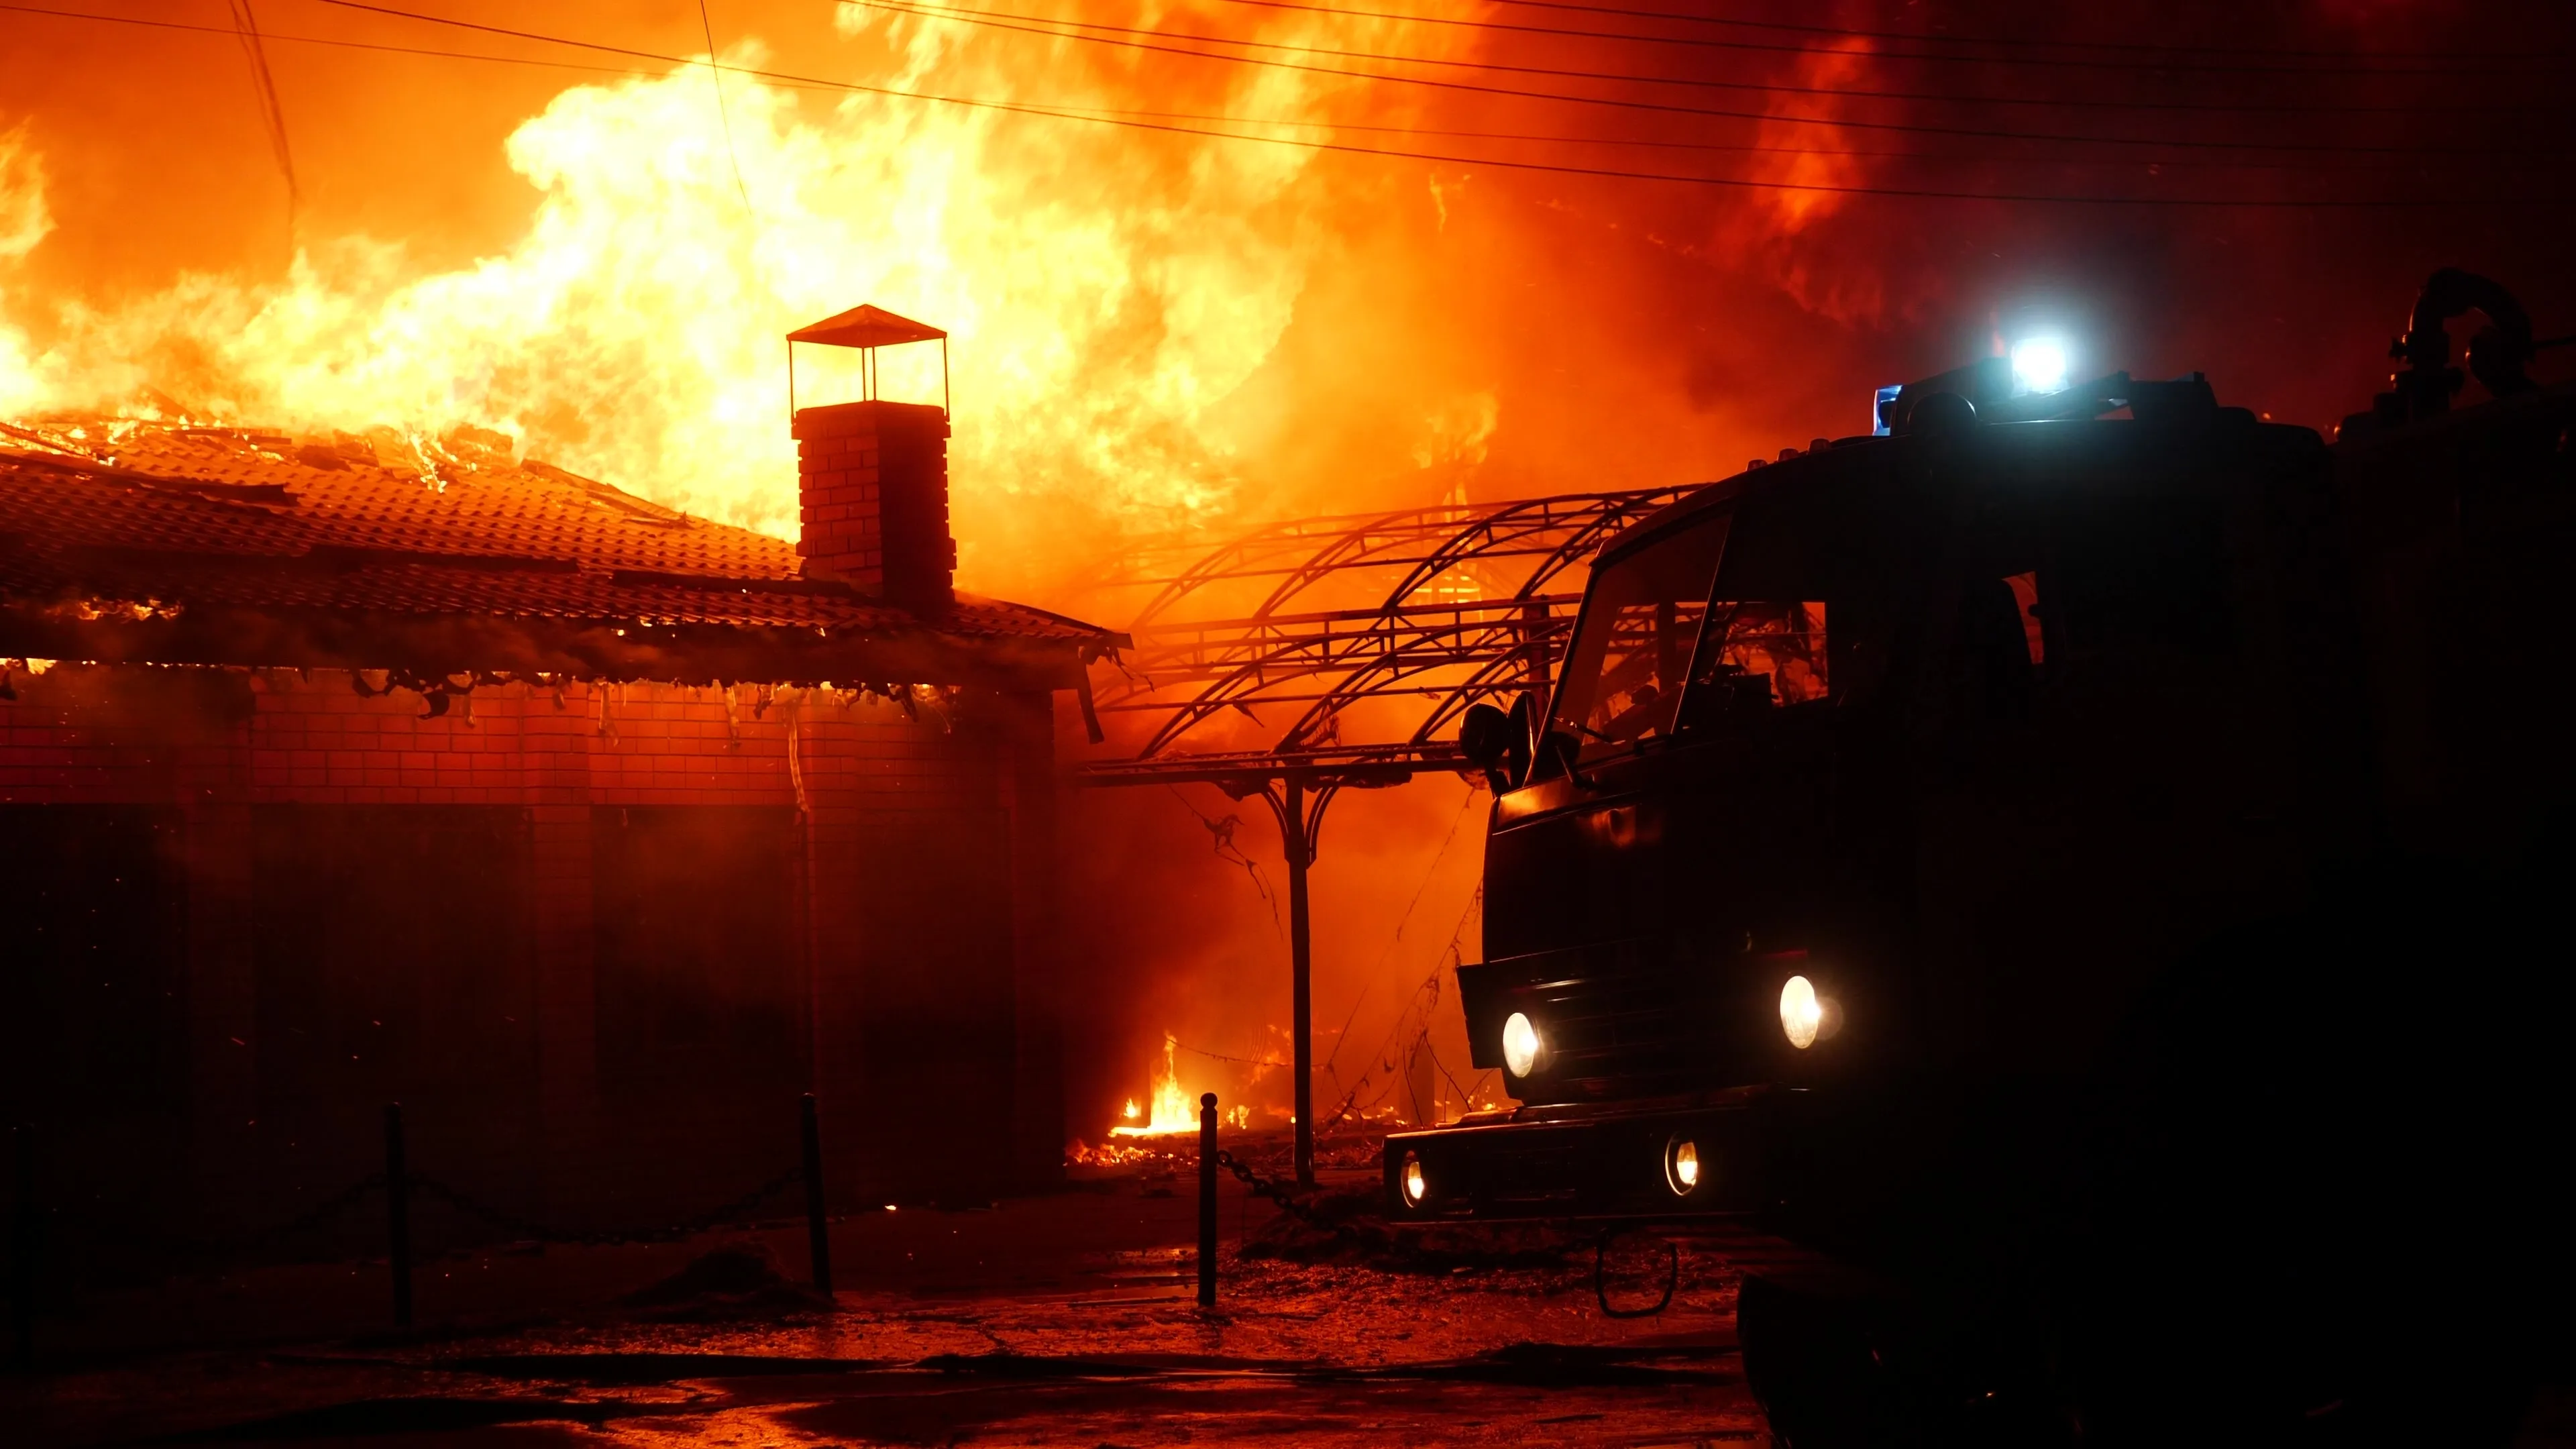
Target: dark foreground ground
(1067,1319)
(1064,1319)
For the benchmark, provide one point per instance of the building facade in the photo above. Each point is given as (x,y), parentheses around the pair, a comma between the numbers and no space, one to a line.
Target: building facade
(336,773)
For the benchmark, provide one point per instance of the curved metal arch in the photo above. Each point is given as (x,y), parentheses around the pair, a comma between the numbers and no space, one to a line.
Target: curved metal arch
(1394,674)
(1463,530)
(1477,686)
(1556,532)
(1241,687)
(1390,670)
(1481,538)
(1233,560)
(1353,549)
(1586,540)
(1343,639)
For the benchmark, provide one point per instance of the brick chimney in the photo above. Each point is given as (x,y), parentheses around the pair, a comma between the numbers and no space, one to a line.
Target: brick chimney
(872,485)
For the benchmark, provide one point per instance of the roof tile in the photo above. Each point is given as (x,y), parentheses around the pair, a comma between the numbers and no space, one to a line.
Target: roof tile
(229,517)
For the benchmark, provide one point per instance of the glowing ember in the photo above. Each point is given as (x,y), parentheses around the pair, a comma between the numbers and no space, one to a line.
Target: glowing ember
(1172,1108)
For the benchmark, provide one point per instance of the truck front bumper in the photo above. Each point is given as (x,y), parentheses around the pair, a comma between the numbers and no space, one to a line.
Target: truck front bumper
(1606,1160)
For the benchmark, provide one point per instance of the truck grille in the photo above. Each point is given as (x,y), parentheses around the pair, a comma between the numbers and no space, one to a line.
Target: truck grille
(1620,1018)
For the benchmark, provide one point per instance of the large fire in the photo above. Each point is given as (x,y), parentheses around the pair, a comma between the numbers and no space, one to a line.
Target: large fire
(1108,290)
(1156,329)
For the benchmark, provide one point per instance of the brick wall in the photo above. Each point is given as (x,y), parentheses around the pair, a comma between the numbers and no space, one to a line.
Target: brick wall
(917,837)
(872,488)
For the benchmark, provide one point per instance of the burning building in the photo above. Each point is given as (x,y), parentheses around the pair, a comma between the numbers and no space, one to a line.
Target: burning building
(350,769)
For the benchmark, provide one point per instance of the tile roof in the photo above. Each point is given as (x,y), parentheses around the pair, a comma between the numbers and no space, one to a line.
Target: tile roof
(124,515)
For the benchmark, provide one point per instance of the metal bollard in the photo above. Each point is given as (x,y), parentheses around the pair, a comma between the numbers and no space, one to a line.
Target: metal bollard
(398,1214)
(22,1244)
(818,1235)
(1207,1201)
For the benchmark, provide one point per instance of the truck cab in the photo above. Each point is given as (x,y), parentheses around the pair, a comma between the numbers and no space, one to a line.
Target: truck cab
(1842,773)
(2024,863)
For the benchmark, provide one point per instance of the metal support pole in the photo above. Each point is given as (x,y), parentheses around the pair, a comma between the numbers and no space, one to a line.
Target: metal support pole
(22,1245)
(1207,1200)
(398,1214)
(1301,986)
(818,1231)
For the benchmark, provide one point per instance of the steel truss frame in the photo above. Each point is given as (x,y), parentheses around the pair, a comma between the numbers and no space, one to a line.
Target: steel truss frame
(1452,652)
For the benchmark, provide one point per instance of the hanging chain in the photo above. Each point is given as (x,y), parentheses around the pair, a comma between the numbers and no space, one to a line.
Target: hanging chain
(303,1222)
(1286,1198)
(530,1230)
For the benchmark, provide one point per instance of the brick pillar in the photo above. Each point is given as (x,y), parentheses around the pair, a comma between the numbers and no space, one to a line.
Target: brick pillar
(567,1009)
(223,1009)
(872,490)
(1028,749)
(206,731)
(837,994)
(555,761)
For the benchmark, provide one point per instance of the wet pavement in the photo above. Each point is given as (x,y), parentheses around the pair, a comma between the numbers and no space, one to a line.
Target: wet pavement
(1065,1319)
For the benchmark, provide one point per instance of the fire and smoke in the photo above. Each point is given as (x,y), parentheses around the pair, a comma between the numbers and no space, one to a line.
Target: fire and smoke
(1102,309)
(1153,330)
(1158,331)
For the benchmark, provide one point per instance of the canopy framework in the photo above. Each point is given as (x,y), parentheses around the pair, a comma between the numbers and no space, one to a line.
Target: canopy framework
(1479,607)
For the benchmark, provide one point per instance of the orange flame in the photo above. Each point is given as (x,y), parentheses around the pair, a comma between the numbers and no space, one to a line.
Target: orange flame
(1172,1109)
(1108,291)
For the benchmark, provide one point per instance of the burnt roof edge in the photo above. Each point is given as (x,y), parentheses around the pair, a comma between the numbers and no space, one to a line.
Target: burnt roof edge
(436,644)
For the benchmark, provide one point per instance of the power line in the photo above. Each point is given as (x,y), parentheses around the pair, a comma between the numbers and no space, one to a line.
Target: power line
(2208,163)
(274,38)
(1115,115)
(1609,173)
(2133,46)
(1110,114)
(708,24)
(993,20)
(1765,87)
(272,113)
(1221,119)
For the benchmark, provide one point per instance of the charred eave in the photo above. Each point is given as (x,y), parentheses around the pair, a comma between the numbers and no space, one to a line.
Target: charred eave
(605,649)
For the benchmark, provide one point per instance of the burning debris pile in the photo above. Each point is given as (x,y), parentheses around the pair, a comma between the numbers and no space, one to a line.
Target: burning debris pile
(1171,1109)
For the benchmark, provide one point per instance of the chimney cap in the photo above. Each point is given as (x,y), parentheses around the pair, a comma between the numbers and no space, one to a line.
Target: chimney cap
(866,326)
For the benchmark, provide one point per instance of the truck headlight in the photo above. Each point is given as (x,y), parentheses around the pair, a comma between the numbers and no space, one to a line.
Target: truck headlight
(1416,1187)
(1681,1166)
(1802,1013)
(1520,1046)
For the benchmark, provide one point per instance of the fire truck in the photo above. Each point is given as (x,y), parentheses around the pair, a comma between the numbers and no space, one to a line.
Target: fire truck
(2085,871)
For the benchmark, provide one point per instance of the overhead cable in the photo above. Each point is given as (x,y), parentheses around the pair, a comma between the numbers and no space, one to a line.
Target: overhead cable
(1542,138)
(1610,173)
(2143,47)
(1764,87)
(995,20)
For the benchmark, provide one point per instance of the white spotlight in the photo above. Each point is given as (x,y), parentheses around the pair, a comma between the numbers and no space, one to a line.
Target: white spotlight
(2039,364)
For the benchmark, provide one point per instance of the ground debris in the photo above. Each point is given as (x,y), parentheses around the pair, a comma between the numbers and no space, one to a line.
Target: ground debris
(1354,1230)
(735,1280)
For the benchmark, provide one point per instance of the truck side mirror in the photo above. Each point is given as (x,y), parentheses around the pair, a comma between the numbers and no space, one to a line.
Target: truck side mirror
(1523,739)
(1485,737)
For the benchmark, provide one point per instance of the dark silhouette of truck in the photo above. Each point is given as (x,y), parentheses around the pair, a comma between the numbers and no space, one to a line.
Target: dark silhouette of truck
(2087,873)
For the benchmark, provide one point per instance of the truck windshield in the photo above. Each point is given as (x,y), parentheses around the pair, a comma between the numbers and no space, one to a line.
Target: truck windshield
(1623,679)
